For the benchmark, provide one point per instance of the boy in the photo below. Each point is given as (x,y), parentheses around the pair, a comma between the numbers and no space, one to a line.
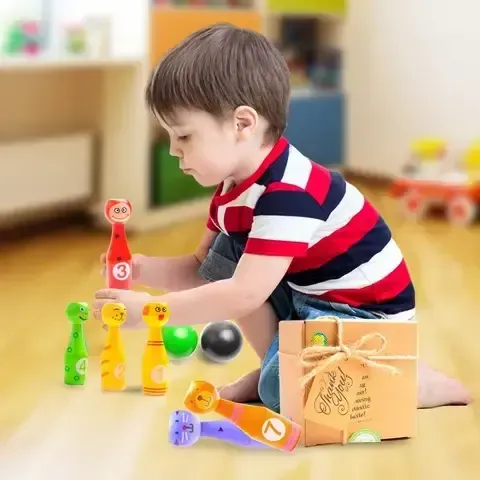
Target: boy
(285,237)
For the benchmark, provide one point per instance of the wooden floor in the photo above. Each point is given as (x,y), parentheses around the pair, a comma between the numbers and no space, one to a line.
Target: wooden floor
(50,432)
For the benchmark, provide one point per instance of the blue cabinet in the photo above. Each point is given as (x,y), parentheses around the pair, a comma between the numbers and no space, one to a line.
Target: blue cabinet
(316,126)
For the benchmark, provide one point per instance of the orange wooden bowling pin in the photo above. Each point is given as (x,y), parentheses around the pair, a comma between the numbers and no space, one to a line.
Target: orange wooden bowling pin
(257,422)
(155,358)
(112,359)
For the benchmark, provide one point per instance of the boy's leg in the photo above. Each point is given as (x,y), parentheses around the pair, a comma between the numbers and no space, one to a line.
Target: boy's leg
(258,328)
(269,384)
(435,389)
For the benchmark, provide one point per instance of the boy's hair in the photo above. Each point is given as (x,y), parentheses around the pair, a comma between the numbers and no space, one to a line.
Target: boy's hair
(219,68)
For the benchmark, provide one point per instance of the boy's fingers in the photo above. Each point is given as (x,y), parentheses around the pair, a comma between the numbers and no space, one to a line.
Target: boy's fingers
(102,258)
(98,316)
(106,294)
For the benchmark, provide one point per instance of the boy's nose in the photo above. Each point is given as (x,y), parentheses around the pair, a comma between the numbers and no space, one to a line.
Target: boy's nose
(175,151)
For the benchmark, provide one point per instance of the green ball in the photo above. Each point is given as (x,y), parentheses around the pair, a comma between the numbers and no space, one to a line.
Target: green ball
(180,342)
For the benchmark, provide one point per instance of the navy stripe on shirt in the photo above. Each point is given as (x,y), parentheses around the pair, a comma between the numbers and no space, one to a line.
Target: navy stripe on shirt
(289,203)
(402,302)
(335,194)
(276,170)
(370,245)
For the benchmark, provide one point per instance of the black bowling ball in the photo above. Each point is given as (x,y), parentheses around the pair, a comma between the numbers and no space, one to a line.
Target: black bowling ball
(221,341)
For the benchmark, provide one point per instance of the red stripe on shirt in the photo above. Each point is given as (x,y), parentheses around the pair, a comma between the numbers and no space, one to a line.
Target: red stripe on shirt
(318,183)
(211,226)
(238,219)
(280,248)
(385,289)
(339,241)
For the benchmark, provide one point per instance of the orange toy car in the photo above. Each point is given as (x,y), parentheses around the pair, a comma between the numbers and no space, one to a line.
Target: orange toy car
(418,196)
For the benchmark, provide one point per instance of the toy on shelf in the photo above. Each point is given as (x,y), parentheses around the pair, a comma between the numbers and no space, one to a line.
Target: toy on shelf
(433,179)
(75,39)
(23,38)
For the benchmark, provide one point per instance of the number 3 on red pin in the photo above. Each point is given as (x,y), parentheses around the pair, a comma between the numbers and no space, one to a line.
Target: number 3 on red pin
(118,258)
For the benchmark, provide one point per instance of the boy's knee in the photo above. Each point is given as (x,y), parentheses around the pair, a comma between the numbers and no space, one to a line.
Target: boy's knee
(269,386)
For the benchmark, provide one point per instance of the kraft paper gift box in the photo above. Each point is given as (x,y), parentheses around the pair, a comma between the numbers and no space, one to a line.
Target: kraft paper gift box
(349,381)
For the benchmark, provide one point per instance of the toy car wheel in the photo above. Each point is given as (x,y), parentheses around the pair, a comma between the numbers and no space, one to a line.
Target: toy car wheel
(462,211)
(413,205)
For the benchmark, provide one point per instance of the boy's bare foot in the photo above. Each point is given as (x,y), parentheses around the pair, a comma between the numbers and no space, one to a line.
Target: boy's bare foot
(435,389)
(243,390)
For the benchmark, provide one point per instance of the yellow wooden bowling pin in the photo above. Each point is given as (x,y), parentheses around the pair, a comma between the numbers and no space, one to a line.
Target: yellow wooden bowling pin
(112,359)
(155,358)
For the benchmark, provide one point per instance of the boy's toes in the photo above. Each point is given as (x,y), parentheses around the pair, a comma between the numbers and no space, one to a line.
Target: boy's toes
(436,389)
(243,390)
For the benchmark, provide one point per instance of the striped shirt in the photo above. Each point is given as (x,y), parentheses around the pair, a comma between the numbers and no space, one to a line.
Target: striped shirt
(342,249)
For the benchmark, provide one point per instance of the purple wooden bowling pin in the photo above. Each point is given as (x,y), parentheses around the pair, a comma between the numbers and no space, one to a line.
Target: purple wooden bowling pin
(185,429)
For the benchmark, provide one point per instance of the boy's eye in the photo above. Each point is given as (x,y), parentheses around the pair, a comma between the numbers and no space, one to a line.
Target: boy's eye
(183,138)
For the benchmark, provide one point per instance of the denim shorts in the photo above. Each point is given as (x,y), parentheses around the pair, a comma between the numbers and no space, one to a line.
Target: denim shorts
(288,304)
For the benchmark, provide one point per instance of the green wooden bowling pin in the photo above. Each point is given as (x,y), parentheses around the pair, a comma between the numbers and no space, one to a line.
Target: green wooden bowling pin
(76,354)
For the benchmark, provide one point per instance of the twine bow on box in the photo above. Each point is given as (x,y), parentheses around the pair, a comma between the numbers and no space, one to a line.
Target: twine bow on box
(318,358)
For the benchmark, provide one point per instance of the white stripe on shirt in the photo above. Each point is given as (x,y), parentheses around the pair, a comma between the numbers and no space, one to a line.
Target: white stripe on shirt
(298,169)
(248,198)
(377,268)
(221,217)
(402,316)
(272,227)
(351,203)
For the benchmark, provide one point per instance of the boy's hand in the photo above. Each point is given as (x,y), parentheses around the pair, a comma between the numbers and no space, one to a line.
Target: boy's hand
(137,261)
(133,301)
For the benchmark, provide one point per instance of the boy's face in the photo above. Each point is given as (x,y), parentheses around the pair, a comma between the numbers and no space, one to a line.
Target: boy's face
(207,148)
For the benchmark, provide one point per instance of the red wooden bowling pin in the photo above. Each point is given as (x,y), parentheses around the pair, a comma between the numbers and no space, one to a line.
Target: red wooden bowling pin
(119,257)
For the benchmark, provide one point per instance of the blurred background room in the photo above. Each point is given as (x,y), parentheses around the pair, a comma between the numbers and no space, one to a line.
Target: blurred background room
(377,85)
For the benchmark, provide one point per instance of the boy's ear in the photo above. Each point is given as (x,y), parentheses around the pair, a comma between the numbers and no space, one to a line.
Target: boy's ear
(246,121)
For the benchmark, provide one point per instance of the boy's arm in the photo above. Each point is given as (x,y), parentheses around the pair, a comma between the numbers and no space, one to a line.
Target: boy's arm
(284,225)
(256,276)
(176,273)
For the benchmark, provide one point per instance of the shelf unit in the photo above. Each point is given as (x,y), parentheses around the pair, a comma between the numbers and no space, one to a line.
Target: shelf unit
(116,108)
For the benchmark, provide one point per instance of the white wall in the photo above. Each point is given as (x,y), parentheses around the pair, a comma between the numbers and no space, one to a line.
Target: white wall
(357,73)
(418,75)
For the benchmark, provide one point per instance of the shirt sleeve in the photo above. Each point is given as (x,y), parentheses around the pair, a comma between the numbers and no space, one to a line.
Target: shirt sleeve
(285,223)
(210,225)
